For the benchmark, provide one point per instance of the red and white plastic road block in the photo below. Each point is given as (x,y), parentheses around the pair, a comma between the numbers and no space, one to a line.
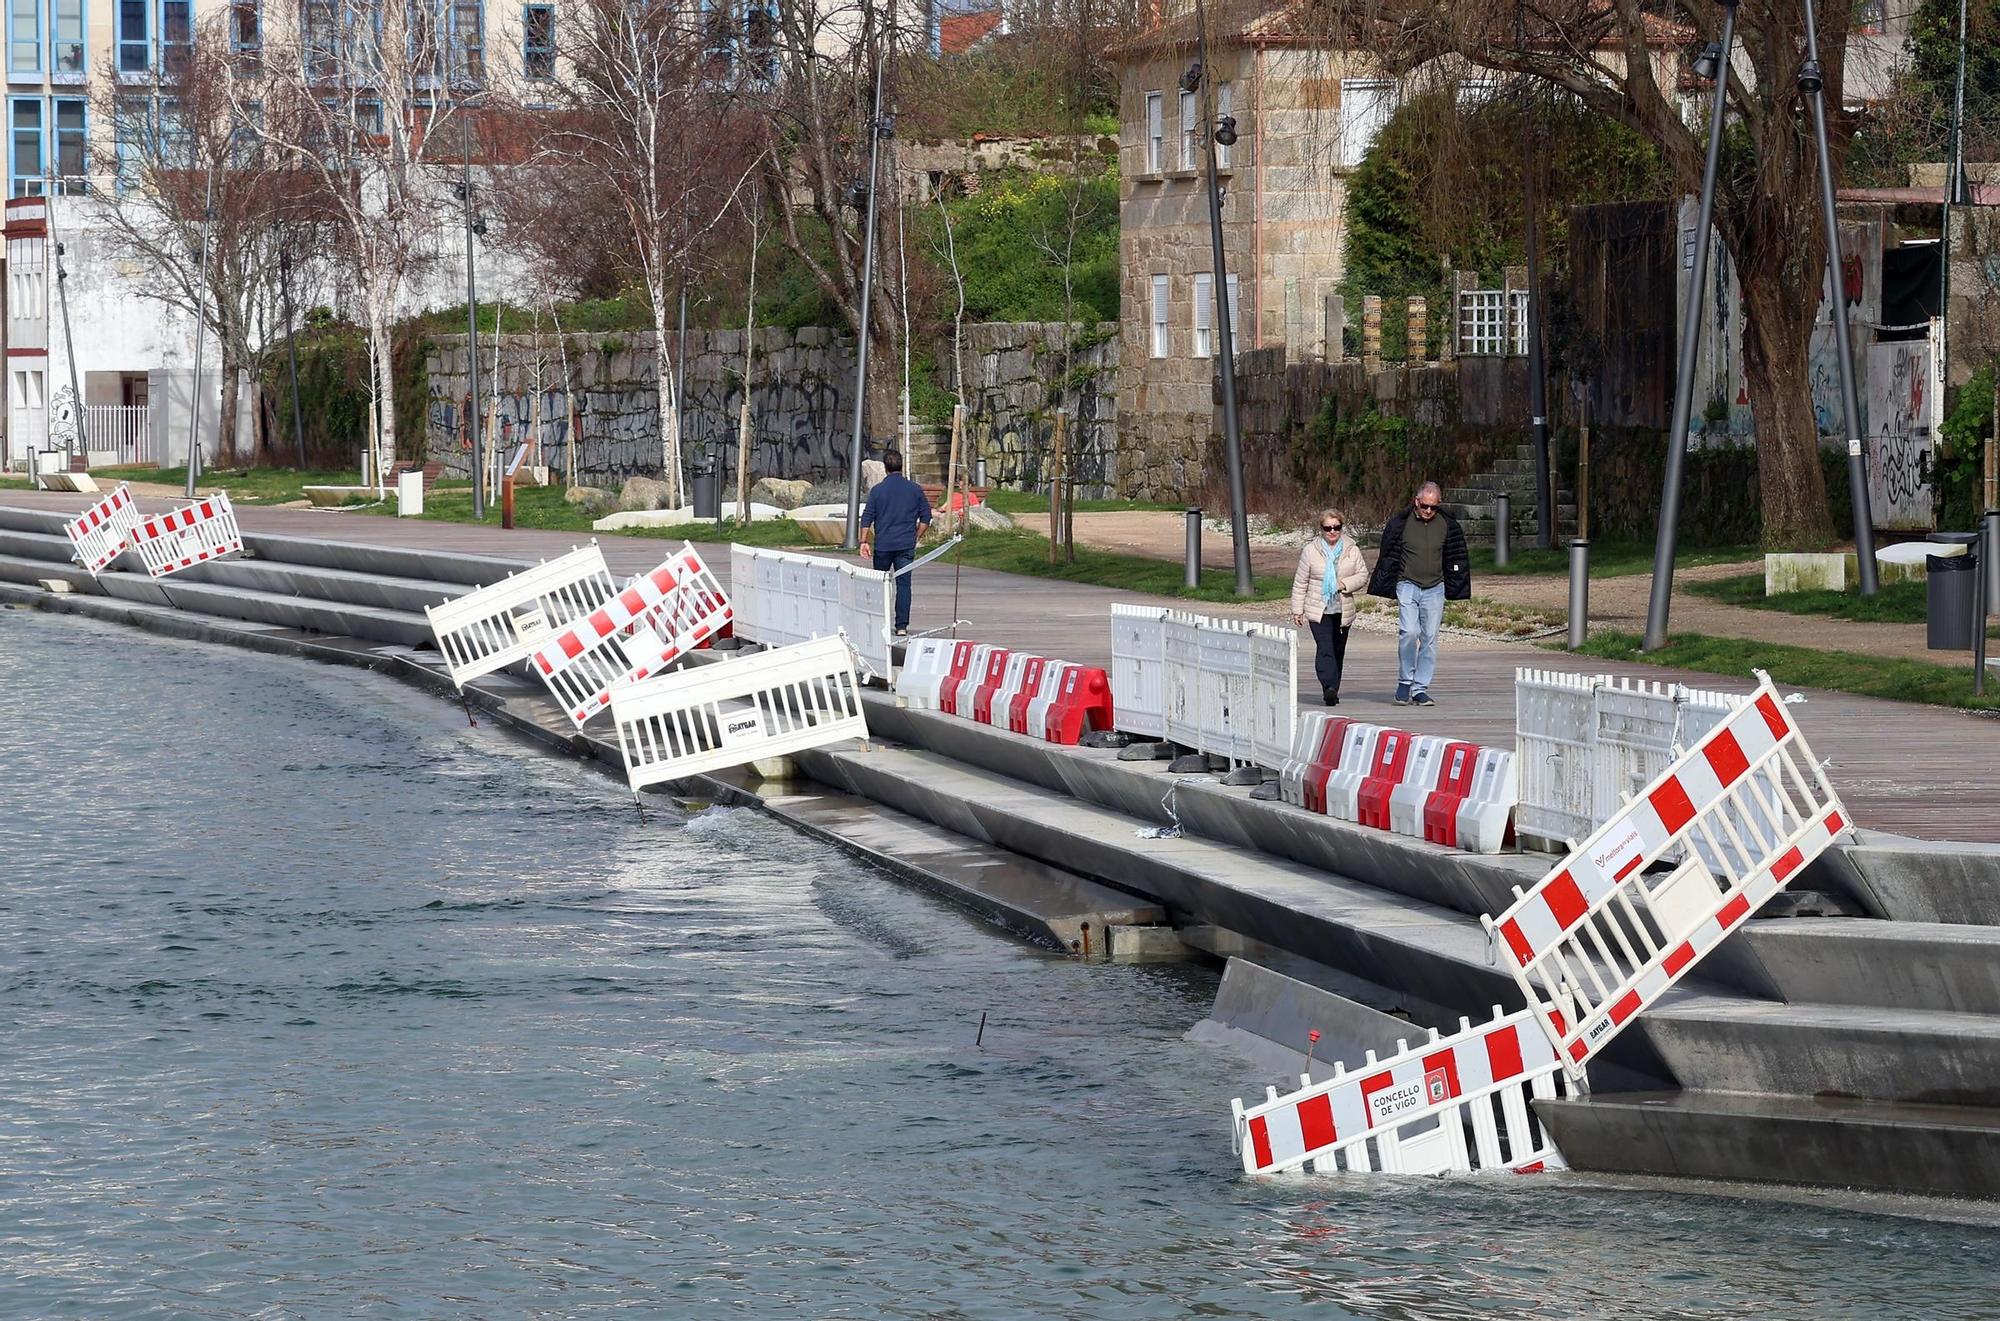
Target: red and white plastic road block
(771,704)
(497,625)
(1054,700)
(1479,819)
(100,532)
(193,534)
(656,619)
(1601,937)
(1448,1105)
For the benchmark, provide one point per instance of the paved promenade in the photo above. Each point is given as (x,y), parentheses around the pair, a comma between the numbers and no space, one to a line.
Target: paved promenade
(1918,770)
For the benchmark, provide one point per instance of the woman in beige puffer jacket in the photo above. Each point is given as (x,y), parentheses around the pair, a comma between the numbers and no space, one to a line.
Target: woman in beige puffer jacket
(1323,598)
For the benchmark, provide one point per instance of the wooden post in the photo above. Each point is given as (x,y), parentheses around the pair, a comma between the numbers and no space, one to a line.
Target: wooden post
(507,501)
(743,463)
(1055,490)
(1993,449)
(955,513)
(1069,486)
(1583,475)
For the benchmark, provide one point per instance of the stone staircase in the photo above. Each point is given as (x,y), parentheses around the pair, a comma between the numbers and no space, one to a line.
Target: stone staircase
(1473,505)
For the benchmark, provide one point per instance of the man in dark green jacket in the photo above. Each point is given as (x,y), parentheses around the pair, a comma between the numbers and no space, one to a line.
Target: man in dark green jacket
(1423,564)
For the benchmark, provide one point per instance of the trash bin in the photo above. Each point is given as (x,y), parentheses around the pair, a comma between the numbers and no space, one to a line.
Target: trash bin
(708,499)
(1948,597)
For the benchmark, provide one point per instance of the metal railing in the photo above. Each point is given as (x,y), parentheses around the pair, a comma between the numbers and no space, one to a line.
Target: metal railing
(124,429)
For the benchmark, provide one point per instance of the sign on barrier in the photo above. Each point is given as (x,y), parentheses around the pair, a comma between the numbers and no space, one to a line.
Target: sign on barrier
(658,617)
(783,597)
(494,626)
(193,534)
(771,704)
(100,532)
(1600,938)
(1138,669)
(1409,1114)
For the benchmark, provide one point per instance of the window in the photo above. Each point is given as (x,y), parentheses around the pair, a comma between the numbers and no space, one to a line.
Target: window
(1154,132)
(246,134)
(31,420)
(1225,104)
(134,37)
(67,61)
(24,120)
(1204,315)
(468,41)
(1160,307)
(319,25)
(1365,106)
(24,36)
(246,33)
(176,141)
(176,37)
(718,38)
(1190,121)
(72,165)
(1235,301)
(538,41)
(760,34)
(130,127)
(1870,17)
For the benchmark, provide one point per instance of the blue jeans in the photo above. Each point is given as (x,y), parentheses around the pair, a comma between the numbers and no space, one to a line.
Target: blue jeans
(1421,610)
(896,559)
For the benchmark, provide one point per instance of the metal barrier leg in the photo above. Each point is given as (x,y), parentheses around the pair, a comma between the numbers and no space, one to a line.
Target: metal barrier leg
(1579,592)
(1191,574)
(1503,518)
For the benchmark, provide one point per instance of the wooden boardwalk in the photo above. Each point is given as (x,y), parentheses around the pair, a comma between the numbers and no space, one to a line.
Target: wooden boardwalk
(1915,770)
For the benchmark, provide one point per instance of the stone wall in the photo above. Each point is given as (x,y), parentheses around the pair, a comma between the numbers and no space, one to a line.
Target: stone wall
(1018,375)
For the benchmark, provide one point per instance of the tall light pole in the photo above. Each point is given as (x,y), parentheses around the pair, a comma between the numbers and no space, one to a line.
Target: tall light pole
(877,130)
(292,352)
(200,326)
(1811,81)
(69,340)
(471,317)
(1538,400)
(1223,131)
(1712,63)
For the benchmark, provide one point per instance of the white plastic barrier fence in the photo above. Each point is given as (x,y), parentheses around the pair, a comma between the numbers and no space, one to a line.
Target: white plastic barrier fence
(771,704)
(1231,688)
(1371,752)
(193,534)
(927,665)
(1139,669)
(1420,780)
(1306,747)
(1479,819)
(1599,939)
(496,625)
(782,598)
(1585,742)
(100,532)
(1410,1113)
(626,639)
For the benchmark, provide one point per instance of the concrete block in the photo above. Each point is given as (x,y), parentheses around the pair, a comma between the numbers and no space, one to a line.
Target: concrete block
(1144,945)
(1805,572)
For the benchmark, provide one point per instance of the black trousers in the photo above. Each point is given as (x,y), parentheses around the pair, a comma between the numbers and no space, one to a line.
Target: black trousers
(1330,644)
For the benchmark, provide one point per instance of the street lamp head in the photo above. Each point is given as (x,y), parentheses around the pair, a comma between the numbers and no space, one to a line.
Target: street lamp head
(1708,64)
(1225,131)
(855,195)
(1191,80)
(479,228)
(1811,77)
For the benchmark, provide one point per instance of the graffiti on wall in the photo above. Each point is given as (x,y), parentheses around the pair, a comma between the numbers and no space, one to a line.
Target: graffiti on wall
(1901,445)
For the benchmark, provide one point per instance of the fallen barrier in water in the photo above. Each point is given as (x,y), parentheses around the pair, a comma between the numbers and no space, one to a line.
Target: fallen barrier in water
(193,534)
(500,624)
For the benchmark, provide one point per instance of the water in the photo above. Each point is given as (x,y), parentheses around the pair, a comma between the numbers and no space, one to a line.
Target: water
(315,1002)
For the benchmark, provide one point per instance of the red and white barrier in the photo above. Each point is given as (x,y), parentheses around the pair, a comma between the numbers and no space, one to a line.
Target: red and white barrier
(929,666)
(1010,708)
(1448,769)
(495,626)
(998,688)
(193,534)
(1411,1113)
(621,641)
(1306,745)
(1600,938)
(1033,718)
(1082,703)
(1387,751)
(955,698)
(100,532)
(1482,820)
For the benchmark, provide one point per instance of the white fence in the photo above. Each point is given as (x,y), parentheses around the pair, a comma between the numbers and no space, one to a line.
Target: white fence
(1584,743)
(767,705)
(1230,688)
(101,532)
(1139,669)
(1601,937)
(1410,1113)
(124,429)
(781,598)
(492,627)
(190,535)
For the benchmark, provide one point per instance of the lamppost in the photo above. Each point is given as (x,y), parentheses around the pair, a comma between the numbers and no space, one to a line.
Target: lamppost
(878,129)
(292,352)
(1223,133)
(472,227)
(1811,81)
(1713,64)
(200,326)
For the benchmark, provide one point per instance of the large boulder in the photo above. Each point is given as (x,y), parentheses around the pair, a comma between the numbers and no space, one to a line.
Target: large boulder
(779,491)
(872,471)
(592,500)
(640,493)
(990,519)
(826,493)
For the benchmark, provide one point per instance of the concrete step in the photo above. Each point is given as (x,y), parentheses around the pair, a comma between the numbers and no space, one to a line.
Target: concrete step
(1921,881)
(1941,1150)
(1865,962)
(279,608)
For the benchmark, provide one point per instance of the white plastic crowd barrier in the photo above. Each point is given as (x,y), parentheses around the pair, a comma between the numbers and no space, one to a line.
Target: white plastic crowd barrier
(771,704)
(1600,938)
(1138,669)
(782,598)
(1585,742)
(1414,1112)
(1231,687)
(1480,819)
(1368,750)
(501,623)
(193,534)
(1420,780)
(928,664)
(656,619)
(100,532)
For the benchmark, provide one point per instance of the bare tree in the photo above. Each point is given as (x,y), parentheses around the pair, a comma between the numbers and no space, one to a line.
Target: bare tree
(365,102)
(638,115)
(178,147)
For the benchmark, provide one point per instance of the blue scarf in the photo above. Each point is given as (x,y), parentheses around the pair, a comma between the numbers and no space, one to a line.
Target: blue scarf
(1329,583)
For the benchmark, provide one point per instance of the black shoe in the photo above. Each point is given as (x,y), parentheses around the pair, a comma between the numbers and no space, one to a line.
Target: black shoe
(1330,697)
(1421,698)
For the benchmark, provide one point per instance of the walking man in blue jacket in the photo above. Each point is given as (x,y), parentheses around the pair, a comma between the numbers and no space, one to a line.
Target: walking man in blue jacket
(894,517)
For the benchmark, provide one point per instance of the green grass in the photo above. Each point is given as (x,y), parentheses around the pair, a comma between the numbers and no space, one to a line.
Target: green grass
(544,509)
(1026,553)
(1608,559)
(1030,502)
(246,486)
(1839,671)
(1893,603)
